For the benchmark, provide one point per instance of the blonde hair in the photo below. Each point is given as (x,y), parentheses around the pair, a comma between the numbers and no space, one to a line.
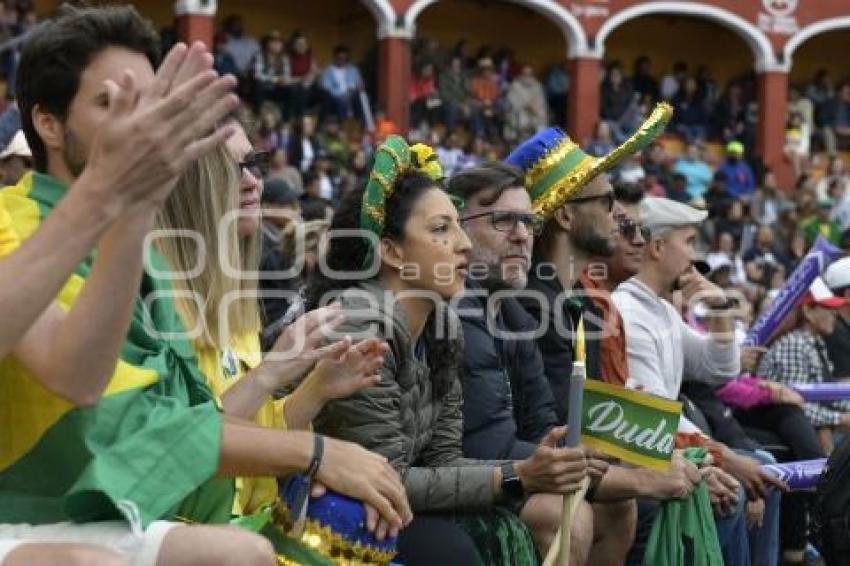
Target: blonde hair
(206,191)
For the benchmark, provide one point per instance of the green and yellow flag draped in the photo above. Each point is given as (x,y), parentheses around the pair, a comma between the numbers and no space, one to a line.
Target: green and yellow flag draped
(146,451)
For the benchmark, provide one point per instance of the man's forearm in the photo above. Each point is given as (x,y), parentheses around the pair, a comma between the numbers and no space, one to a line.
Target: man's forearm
(33,275)
(620,483)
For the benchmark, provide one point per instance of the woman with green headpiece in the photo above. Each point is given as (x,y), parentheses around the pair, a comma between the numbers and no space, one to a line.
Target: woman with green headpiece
(396,256)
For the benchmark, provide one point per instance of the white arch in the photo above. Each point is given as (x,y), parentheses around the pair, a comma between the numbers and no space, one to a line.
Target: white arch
(566,22)
(755,38)
(384,14)
(808,32)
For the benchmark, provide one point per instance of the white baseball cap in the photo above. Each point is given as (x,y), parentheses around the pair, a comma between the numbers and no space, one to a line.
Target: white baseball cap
(837,275)
(18,146)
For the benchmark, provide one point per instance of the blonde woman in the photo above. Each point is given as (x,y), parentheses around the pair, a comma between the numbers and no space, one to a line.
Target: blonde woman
(217,300)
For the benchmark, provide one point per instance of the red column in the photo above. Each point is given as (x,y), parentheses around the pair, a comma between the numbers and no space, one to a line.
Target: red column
(192,28)
(196,20)
(770,137)
(394,80)
(583,98)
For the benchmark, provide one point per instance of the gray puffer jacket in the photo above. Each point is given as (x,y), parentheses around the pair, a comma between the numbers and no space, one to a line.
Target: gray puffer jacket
(413,417)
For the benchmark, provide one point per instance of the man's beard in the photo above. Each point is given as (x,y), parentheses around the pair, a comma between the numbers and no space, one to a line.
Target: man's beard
(587,240)
(496,278)
(74,154)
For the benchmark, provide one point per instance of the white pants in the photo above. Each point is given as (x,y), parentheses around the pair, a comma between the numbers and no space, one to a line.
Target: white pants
(111,535)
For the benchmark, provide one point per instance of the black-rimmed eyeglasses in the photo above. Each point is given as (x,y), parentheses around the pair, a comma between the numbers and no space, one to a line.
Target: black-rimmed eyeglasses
(257,164)
(506,220)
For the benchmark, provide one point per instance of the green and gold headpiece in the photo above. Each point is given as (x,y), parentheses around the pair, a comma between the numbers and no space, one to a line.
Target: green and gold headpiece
(393,158)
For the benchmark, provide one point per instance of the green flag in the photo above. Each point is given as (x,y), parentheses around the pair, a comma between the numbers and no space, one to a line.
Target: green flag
(148,444)
(636,427)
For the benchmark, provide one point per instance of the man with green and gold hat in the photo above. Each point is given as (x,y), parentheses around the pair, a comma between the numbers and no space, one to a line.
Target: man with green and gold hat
(572,192)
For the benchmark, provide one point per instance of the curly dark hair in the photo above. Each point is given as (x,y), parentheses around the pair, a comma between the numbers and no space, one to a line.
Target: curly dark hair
(350,253)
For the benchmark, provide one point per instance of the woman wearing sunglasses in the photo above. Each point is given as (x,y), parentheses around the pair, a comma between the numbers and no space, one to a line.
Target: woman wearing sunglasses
(214,260)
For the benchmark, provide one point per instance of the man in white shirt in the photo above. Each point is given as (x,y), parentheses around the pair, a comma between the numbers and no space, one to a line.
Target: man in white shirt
(661,347)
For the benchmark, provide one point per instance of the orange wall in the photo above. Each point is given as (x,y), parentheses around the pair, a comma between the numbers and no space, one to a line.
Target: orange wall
(826,51)
(661,38)
(498,24)
(326,22)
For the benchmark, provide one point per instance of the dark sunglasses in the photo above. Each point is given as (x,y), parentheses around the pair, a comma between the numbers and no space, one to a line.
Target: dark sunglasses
(609,196)
(257,164)
(629,229)
(506,220)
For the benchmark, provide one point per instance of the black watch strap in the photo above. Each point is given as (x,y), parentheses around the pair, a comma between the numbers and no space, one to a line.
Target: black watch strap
(511,484)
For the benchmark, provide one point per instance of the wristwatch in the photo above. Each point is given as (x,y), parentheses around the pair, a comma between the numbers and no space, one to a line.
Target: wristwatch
(511,484)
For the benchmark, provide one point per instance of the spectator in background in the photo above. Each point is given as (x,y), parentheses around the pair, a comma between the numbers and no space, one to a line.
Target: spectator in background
(617,95)
(526,106)
(799,104)
(740,178)
(837,278)
(557,87)
(679,189)
(631,170)
(787,223)
(453,87)
(821,224)
(451,155)
(303,72)
(342,83)
(767,201)
(486,95)
(656,161)
(724,251)
(717,197)
(312,196)
(695,169)
(822,94)
(241,47)
(835,173)
(425,100)
(15,160)
(271,73)
(842,117)
(730,114)
(602,143)
(707,86)
(761,261)
(279,168)
(839,193)
(797,142)
(643,82)
(303,146)
(689,117)
(672,82)
(333,142)
(281,209)
(800,357)
(223,61)
(384,126)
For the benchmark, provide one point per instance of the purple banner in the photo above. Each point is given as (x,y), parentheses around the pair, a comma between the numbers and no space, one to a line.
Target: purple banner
(823,391)
(798,475)
(816,261)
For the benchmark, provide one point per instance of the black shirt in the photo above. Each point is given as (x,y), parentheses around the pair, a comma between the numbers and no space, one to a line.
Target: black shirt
(838,347)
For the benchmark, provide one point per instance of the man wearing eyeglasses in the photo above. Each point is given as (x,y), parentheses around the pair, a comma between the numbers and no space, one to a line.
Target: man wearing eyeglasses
(509,411)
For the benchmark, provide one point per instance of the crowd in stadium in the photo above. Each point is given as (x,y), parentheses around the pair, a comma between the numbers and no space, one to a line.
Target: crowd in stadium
(271,370)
